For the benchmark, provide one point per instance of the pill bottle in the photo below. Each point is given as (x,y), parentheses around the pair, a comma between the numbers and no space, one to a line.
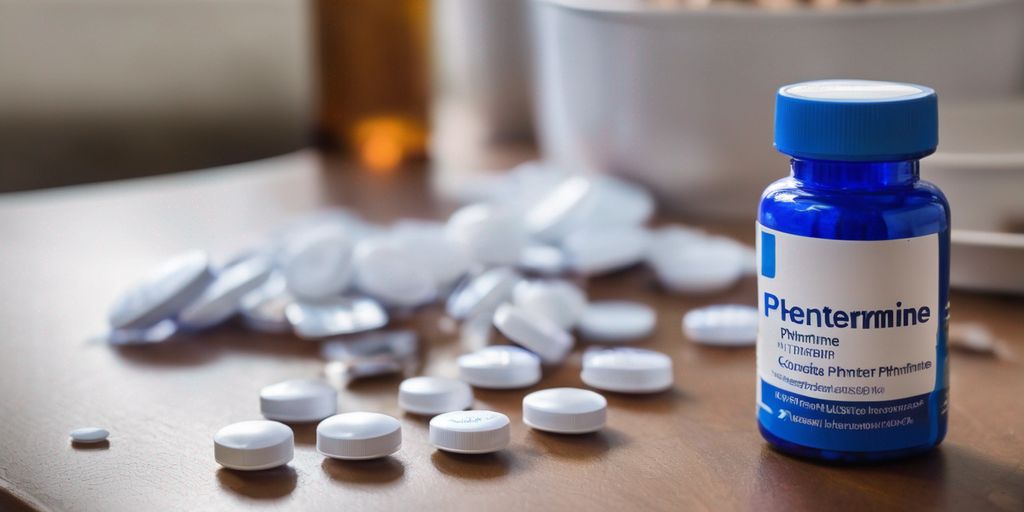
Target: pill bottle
(853,276)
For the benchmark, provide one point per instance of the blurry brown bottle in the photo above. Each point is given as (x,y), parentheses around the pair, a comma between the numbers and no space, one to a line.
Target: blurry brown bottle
(373,64)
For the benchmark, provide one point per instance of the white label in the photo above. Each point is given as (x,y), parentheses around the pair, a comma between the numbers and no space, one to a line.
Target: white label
(851,321)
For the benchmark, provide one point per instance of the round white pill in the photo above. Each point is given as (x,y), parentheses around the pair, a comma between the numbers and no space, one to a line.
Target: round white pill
(317,263)
(432,248)
(616,202)
(500,367)
(254,445)
(222,298)
(489,234)
(698,265)
(616,321)
(298,400)
(89,435)
(627,370)
(559,301)
(470,431)
(434,395)
(600,250)
(481,294)
(334,317)
(162,293)
(358,436)
(534,333)
(731,325)
(559,211)
(386,271)
(565,410)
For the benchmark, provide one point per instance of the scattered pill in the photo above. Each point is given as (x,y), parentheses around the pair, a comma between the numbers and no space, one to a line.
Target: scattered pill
(254,445)
(386,271)
(731,325)
(703,265)
(222,298)
(558,212)
(298,400)
(358,436)
(500,367)
(434,395)
(627,370)
(371,354)
(560,301)
(334,317)
(482,293)
(470,432)
(972,337)
(437,253)
(158,333)
(545,260)
(534,333)
(565,410)
(597,251)
(489,234)
(617,202)
(264,309)
(89,435)
(163,293)
(616,321)
(317,263)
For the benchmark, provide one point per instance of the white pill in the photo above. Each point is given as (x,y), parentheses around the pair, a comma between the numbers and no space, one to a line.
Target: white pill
(223,297)
(158,333)
(481,294)
(254,445)
(616,202)
(489,234)
(298,400)
(315,320)
(559,301)
(534,333)
(386,271)
(565,410)
(358,436)
(89,435)
(163,293)
(704,265)
(559,211)
(370,354)
(596,251)
(434,395)
(546,260)
(616,321)
(264,308)
(627,370)
(500,367)
(730,325)
(432,249)
(317,263)
(972,337)
(470,432)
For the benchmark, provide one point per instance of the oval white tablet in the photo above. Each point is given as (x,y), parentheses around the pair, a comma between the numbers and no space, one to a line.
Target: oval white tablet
(701,265)
(89,435)
(221,299)
(470,431)
(264,309)
(500,367)
(732,325)
(481,294)
(389,273)
(298,400)
(559,211)
(254,445)
(162,293)
(432,248)
(627,370)
(565,410)
(545,260)
(317,263)
(600,250)
(616,321)
(559,301)
(434,395)
(489,234)
(358,436)
(534,333)
(334,317)
(617,202)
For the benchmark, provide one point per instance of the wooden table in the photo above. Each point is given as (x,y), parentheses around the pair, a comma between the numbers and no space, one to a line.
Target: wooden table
(67,253)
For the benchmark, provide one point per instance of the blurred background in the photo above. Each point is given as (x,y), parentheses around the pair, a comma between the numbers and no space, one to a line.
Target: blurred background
(676,95)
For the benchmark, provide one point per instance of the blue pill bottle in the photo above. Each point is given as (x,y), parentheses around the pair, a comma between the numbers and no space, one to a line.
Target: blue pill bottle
(853,276)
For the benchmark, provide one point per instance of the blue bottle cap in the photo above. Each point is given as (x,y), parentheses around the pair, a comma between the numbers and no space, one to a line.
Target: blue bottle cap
(856,120)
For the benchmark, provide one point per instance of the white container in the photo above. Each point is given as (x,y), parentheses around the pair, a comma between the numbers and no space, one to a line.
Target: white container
(681,99)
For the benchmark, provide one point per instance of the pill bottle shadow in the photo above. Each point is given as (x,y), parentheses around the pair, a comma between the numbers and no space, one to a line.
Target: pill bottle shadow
(268,484)
(382,471)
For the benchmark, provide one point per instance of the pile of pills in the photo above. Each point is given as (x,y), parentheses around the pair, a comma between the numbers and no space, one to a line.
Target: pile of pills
(509,262)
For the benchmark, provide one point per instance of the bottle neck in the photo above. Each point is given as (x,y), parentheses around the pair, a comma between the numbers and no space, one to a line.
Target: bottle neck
(855,175)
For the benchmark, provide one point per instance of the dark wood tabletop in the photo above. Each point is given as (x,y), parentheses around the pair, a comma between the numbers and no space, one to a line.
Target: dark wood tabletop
(67,253)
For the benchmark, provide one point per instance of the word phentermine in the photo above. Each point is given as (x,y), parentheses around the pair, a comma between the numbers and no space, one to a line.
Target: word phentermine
(838,318)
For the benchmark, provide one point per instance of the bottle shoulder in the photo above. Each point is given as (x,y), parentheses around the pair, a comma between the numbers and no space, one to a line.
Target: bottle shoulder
(876,214)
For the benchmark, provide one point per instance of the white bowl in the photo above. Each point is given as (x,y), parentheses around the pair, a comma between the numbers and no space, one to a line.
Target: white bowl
(682,99)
